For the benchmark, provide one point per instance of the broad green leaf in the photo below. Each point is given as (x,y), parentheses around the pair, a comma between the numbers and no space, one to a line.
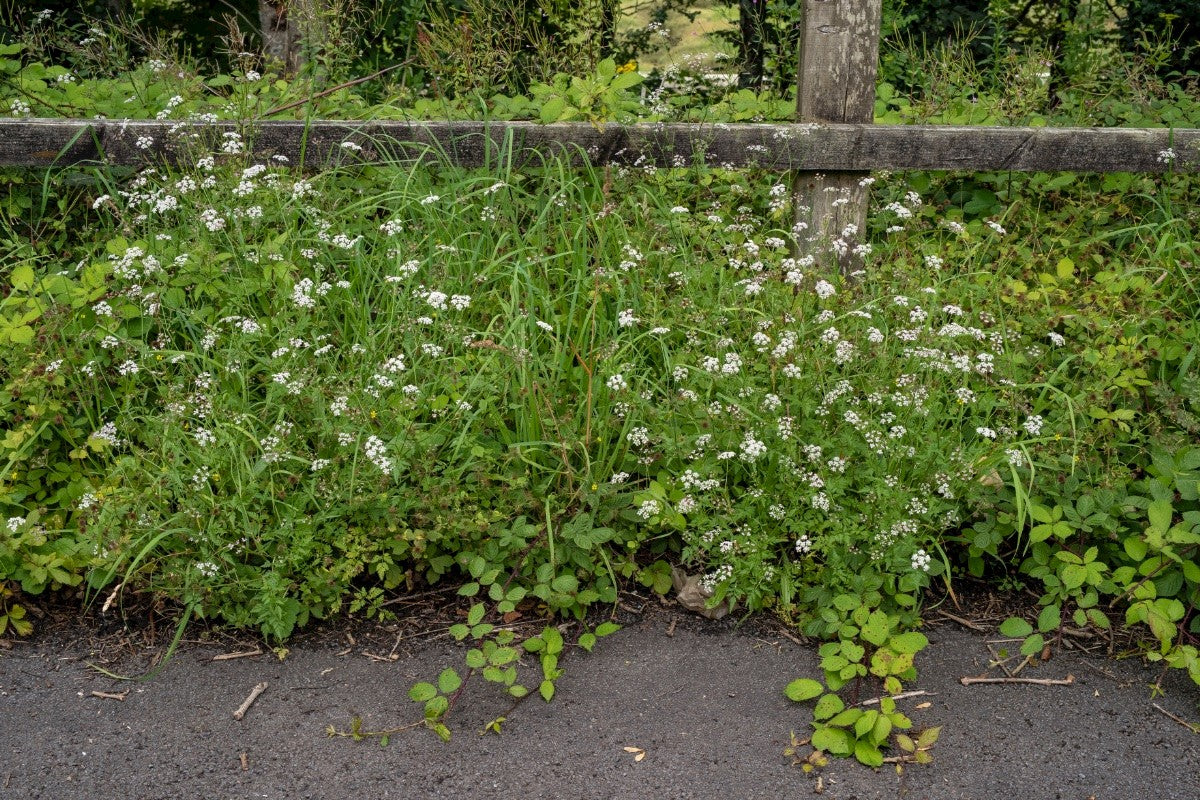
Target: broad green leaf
(1050,618)
(607,628)
(866,723)
(449,681)
(912,642)
(546,690)
(1015,628)
(867,753)
(827,706)
(1160,512)
(587,641)
(469,589)
(553,640)
(22,277)
(1033,645)
(877,628)
(422,692)
(475,615)
(833,740)
(475,659)
(803,689)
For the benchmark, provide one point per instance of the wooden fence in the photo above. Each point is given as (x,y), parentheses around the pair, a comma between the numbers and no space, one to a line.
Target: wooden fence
(830,148)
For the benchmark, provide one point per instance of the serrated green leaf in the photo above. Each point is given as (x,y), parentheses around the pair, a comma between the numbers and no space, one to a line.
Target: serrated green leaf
(475,615)
(475,659)
(459,632)
(1033,645)
(587,641)
(546,690)
(469,589)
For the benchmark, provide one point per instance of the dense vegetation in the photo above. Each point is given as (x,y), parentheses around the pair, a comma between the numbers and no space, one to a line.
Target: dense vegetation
(268,397)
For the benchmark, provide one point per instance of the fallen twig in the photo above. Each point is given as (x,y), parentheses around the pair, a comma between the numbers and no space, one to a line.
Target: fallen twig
(384,659)
(245,759)
(243,654)
(112,695)
(1191,726)
(671,627)
(1067,681)
(249,701)
(789,635)
(902,696)
(966,623)
(1017,670)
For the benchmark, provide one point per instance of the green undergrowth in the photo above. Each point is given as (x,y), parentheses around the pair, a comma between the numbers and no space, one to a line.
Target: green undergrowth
(265,397)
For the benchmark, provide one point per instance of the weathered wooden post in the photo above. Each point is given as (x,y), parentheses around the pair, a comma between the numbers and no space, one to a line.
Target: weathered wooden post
(837,64)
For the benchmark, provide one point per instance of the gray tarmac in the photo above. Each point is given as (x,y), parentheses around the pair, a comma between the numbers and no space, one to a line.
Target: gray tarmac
(703,701)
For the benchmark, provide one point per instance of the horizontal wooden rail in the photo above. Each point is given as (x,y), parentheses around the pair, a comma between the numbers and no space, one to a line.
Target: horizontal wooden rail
(856,147)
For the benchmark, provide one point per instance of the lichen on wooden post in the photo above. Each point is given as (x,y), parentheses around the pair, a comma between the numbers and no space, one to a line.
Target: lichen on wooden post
(837,65)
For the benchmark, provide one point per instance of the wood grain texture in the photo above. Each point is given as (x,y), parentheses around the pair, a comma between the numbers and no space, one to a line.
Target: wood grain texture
(839,58)
(846,147)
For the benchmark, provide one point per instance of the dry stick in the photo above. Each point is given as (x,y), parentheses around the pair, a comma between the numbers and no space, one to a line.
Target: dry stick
(1035,681)
(245,706)
(243,654)
(1191,726)
(902,696)
(338,88)
(1021,666)
(966,623)
(112,695)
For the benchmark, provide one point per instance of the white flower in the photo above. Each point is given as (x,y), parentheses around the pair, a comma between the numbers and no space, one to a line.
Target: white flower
(1033,425)
(824,289)
(616,383)
(804,545)
(649,508)
(920,561)
(626,319)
